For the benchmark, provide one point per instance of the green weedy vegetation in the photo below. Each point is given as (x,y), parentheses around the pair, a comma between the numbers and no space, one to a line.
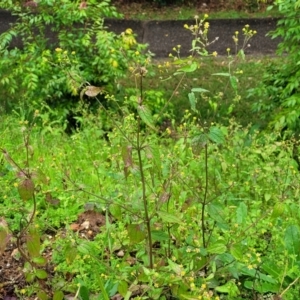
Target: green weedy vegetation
(140,203)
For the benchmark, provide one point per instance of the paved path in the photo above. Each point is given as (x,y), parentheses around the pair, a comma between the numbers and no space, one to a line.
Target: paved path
(162,36)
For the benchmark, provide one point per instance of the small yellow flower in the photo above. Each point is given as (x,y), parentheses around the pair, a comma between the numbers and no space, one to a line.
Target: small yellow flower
(228,49)
(236,33)
(58,50)
(128,31)
(137,53)
(215,53)
(115,64)
(205,16)
(186,26)
(206,25)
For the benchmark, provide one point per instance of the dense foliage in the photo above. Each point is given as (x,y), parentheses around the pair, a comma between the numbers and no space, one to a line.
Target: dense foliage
(45,73)
(189,210)
(278,95)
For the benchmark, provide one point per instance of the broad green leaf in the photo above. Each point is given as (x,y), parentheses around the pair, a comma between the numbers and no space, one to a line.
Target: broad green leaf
(262,286)
(41,274)
(217,247)
(84,293)
(33,244)
(216,212)
(42,295)
(199,90)
(278,210)
(193,101)
(159,235)
(136,233)
(241,213)
(216,135)
(256,274)
(123,288)
(58,295)
(168,217)
(272,269)
(238,252)
(229,288)
(177,269)
(40,260)
(292,239)
(146,116)
(26,189)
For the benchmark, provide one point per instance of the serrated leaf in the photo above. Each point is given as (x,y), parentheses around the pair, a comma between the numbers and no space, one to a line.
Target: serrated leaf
(26,189)
(92,91)
(41,274)
(237,251)
(217,247)
(168,217)
(136,233)
(216,135)
(40,177)
(33,244)
(159,235)
(146,116)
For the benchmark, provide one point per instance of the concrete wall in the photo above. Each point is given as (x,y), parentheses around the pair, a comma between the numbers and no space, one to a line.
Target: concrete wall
(162,36)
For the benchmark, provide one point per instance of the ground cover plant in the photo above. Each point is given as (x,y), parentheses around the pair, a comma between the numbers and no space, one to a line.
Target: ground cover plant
(136,204)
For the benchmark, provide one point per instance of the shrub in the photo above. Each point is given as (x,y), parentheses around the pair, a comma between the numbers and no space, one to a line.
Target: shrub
(40,73)
(279,93)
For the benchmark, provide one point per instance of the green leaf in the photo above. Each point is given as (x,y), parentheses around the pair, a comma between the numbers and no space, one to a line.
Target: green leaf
(123,288)
(33,244)
(199,90)
(217,247)
(222,74)
(241,213)
(292,239)
(229,288)
(159,235)
(168,217)
(41,274)
(234,82)
(261,286)
(241,54)
(40,260)
(188,68)
(193,101)
(58,295)
(238,252)
(216,212)
(84,293)
(26,189)
(278,210)
(145,114)
(136,233)
(216,135)
(42,295)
